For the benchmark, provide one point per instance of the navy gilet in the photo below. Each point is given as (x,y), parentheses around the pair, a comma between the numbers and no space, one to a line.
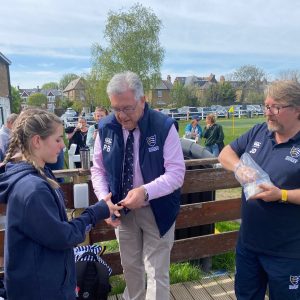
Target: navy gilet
(154,127)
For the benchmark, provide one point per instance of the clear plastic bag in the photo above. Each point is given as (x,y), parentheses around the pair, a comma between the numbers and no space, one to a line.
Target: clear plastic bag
(250,175)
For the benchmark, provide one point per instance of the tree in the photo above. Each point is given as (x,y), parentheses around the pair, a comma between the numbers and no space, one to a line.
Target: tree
(220,94)
(179,94)
(250,75)
(95,91)
(290,75)
(16,100)
(37,99)
(50,86)
(133,44)
(250,78)
(66,79)
(77,105)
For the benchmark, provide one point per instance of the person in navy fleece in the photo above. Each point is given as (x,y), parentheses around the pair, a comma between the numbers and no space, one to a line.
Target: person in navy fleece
(39,239)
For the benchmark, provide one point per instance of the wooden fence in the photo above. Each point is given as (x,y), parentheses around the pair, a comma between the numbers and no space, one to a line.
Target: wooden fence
(202,176)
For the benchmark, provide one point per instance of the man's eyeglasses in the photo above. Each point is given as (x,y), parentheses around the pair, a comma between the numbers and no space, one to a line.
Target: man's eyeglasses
(274,110)
(126,110)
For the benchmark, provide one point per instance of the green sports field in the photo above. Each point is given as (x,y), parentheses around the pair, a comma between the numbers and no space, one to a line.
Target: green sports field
(232,128)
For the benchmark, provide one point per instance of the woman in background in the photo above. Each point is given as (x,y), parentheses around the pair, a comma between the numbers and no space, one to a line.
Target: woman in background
(193,130)
(100,112)
(78,135)
(214,135)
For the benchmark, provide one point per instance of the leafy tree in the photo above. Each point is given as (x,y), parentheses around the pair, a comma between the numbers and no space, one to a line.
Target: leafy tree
(38,99)
(220,94)
(50,86)
(77,105)
(66,79)
(182,95)
(16,100)
(179,94)
(254,97)
(95,91)
(63,102)
(133,44)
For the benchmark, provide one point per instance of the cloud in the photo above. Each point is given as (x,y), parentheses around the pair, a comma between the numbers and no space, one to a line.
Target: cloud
(200,37)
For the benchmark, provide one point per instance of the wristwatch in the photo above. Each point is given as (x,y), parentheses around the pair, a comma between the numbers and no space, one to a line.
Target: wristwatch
(146,194)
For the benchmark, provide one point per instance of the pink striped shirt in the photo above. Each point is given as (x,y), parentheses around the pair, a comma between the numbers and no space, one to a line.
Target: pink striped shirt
(165,184)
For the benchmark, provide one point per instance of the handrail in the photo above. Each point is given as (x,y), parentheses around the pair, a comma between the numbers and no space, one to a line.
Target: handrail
(202,175)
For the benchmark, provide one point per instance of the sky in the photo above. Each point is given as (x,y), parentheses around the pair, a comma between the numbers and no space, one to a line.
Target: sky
(45,39)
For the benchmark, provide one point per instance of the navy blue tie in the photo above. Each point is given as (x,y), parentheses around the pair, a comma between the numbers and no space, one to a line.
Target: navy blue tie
(128,166)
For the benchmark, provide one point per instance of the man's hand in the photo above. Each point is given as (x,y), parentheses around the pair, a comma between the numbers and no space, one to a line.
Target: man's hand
(135,198)
(270,193)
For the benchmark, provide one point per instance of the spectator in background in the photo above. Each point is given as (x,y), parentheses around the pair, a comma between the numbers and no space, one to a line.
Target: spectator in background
(193,130)
(5,133)
(77,135)
(214,135)
(100,112)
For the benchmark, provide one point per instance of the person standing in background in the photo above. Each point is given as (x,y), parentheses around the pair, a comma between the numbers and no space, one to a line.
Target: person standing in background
(145,177)
(213,135)
(100,112)
(268,248)
(5,133)
(77,135)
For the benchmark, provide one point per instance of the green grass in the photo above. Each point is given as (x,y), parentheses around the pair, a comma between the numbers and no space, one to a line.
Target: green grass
(231,129)
(225,261)
(182,272)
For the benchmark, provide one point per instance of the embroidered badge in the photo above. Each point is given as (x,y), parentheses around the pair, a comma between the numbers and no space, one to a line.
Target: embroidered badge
(295,152)
(107,144)
(294,280)
(151,141)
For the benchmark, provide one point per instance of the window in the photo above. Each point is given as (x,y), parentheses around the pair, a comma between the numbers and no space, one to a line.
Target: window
(159,94)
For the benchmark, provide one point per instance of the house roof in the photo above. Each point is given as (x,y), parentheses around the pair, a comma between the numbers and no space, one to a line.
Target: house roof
(196,80)
(168,84)
(5,59)
(73,85)
(28,92)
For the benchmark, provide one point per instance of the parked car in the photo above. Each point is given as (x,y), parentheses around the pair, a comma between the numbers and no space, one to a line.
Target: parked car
(204,111)
(189,111)
(70,122)
(173,113)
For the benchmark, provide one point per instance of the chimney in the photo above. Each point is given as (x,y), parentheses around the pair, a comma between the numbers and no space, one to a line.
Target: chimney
(38,88)
(169,78)
(222,79)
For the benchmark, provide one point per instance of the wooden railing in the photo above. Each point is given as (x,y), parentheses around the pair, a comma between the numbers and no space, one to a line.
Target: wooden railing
(202,176)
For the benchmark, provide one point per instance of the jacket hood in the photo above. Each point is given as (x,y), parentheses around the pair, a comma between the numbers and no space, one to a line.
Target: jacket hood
(10,174)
